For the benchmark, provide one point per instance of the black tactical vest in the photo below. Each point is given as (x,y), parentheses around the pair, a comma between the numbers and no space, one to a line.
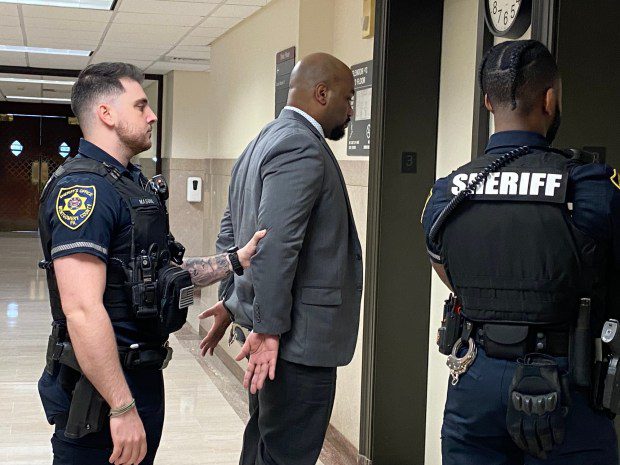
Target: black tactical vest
(511,250)
(149,226)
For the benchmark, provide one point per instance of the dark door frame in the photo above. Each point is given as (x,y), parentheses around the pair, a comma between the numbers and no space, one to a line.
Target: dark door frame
(397,291)
(74,73)
(406,69)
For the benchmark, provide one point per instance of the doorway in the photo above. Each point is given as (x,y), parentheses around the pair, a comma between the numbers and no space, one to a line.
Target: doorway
(586,50)
(33,143)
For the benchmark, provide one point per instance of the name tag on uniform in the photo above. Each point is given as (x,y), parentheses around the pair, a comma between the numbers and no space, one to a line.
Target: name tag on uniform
(516,185)
(142,201)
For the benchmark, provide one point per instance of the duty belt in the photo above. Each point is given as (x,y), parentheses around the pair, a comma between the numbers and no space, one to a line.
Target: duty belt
(514,341)
(134,357)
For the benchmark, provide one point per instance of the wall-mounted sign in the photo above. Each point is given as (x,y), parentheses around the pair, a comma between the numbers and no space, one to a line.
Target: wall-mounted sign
(359,127)
(285,62)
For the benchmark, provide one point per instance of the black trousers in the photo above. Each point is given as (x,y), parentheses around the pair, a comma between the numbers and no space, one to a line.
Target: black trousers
(289,416)
(147,386)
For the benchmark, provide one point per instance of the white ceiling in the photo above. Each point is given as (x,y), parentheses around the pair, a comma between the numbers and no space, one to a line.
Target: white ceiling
(156,35)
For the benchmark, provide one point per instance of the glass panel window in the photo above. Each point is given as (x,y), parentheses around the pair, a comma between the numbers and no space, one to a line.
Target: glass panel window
(16,148)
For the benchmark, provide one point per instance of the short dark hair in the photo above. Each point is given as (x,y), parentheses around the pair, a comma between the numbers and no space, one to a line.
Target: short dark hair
(101,79)
(520,70)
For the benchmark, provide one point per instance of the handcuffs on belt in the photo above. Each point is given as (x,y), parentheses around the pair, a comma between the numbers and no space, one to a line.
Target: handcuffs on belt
(459,365)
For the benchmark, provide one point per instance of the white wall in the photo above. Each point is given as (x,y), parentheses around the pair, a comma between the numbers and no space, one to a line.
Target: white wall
(188,113)
(454,139)
(243,76)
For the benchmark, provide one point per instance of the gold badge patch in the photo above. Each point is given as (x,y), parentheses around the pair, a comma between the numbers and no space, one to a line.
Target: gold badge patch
(615,179)
(75,204)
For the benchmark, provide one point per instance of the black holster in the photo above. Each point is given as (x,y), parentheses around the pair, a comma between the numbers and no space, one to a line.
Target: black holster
(88,410)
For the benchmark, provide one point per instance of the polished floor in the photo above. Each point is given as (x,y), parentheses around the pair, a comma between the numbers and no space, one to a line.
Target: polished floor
(205,404)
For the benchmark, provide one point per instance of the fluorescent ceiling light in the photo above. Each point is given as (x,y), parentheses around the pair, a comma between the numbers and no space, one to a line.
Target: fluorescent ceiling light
(37,81)
(42,99)
(84,4)
(48,51)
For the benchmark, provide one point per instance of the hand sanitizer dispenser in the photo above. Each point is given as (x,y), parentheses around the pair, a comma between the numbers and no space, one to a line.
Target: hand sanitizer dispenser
(194,189)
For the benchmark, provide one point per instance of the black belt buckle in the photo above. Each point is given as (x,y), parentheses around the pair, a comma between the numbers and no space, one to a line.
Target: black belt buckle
(131,359)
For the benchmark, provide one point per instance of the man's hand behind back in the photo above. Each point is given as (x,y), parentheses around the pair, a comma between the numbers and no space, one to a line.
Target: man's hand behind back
(263,352)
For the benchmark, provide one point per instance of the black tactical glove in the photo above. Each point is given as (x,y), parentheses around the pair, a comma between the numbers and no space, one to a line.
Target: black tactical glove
(538,402)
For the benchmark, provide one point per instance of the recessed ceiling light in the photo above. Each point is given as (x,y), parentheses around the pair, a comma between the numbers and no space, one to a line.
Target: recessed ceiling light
(83,4)
(47,51)
(37,81)
(42,99)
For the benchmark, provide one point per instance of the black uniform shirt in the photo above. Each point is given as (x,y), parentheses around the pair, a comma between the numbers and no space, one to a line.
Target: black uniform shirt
(86,214)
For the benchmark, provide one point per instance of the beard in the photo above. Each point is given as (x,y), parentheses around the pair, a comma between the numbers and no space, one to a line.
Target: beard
(338,132)
(135,140)
(552,132)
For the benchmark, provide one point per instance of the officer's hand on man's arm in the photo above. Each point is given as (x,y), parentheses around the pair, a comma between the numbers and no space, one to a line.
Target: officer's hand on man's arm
(209,270)
(81,282)
(263,352)
(246,253)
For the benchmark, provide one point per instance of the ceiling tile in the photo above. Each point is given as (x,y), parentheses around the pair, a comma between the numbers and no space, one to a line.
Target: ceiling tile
(168,7)
(57,61)
(76,37)
(211,32)
(248,2)
(116,48)
(8,10)
(63,43)
(58,89)
(11,41)
(235,11)
(9,21)
(139,63)
(10,32)
(44,23)
(190,54)
(165,67)
(224,23)
(195,48)
(55,94)
(10,88)
(141,40)
(169,32)
(75,14)
(191,41)
(156,19)
(13,59)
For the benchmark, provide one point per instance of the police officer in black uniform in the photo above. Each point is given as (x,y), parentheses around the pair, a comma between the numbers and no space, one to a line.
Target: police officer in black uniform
(526,236)
(116,291)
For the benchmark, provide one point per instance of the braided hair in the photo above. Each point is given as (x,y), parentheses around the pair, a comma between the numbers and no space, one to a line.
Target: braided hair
(517,71)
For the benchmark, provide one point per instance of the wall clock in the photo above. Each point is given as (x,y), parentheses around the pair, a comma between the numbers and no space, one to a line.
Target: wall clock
(508,18)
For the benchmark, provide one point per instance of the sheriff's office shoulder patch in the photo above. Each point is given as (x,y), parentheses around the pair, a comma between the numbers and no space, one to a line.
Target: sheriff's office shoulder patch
(75,204)
(615,179)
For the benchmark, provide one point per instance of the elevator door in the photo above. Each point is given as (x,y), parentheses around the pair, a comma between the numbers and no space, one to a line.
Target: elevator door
(589,63)
(31,148)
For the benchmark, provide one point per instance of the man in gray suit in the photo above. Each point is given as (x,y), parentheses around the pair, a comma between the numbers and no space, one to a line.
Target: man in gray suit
(301,297)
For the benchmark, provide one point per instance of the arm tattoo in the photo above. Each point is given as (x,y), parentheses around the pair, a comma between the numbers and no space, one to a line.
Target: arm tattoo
(208,270)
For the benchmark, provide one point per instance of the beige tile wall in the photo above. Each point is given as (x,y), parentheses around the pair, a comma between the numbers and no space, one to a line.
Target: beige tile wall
(197,225)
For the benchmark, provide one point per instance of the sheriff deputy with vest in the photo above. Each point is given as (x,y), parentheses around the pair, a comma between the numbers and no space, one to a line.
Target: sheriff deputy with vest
(526,236)
(116,290)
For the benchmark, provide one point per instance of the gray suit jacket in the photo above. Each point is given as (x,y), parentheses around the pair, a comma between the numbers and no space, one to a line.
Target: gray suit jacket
(305,282)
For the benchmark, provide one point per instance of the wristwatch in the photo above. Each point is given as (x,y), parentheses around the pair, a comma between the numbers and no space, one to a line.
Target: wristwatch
(234,260)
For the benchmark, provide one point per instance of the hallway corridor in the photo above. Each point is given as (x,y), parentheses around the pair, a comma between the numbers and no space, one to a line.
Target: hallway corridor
(205,405)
